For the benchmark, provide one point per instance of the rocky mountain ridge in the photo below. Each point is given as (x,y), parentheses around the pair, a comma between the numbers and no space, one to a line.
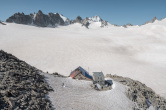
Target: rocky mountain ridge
(52,19)
(152,21)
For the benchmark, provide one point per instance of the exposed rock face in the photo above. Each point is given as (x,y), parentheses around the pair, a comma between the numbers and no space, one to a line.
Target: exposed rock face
(43,20)
(152,21)
(78,20)
(2,23)
(87,21)
(21,85)
(104,23)
(20,18)
(125,26)
(141,94)
(38,19)
(67,21)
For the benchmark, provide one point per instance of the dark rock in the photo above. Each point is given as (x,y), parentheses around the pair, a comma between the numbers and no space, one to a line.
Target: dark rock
(125,26)
(58,75)
(55,19)
(85,22)
(2,23)
(38,19)
(78,20)
(140,93)
(20,19)
(104,23)
(21,85)
(152,21)
(41,20)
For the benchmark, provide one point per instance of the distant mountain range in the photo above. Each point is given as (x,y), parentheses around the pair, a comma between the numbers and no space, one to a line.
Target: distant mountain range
(54,19)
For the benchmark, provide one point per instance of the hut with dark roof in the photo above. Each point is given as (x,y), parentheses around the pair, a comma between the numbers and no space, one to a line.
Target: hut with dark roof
(81,74)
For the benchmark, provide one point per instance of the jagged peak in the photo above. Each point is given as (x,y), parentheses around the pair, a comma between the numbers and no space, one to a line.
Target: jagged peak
(154,19)
(40,12)
(79,17)
(96,18)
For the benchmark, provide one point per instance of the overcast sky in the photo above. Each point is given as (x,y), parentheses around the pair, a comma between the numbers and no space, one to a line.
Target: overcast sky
(118,12)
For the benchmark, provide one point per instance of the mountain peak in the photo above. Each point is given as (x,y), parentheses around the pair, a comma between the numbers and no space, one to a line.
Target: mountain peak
(152,21)
(96,18)
(40,12)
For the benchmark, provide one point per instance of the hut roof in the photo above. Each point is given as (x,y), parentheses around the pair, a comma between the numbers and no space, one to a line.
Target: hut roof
(78,70)
(98,73)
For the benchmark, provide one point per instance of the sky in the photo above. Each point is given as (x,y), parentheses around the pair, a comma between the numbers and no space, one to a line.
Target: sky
(119,12)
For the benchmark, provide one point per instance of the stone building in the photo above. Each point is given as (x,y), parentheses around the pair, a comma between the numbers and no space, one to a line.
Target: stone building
(81,74)
(98,77)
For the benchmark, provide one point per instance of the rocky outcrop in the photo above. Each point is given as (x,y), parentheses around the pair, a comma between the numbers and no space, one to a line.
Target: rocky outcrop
(141,94)
(78,20)
(58,75)
(21,85)
(20,18)
(51,19)
(2,23)
(88,21)
(104,23)
(85,22)
(38,19)
(67,21)
(125,26)
(152,21)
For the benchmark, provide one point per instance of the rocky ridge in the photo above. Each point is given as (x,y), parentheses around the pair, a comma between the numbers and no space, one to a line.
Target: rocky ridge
(38,19)
(140,93)
(152,21)
(52,19)
(21,85)
(2,23)
(87,21)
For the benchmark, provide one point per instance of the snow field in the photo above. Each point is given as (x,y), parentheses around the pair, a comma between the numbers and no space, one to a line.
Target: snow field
(135,52)
(78,95)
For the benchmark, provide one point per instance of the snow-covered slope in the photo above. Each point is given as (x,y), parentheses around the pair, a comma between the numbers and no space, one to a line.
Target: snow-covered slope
(135,52)
(65,19)
(96,22)
(95,19)
(72,94)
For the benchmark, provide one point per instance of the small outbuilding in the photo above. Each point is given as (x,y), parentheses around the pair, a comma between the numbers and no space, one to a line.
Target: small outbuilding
(98,77)
(81,74)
